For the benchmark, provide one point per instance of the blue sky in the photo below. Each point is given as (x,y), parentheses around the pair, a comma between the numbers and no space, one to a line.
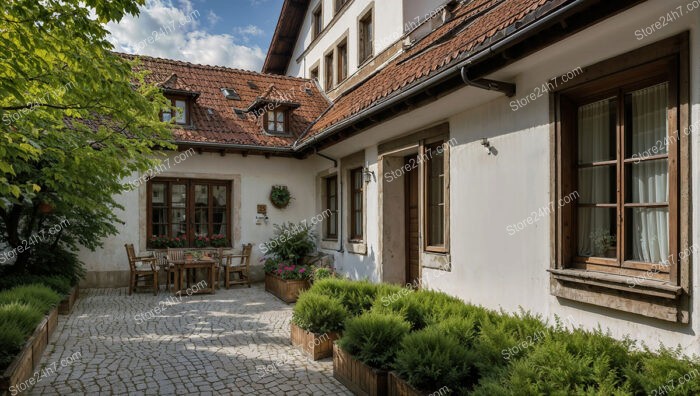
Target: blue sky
(233,33)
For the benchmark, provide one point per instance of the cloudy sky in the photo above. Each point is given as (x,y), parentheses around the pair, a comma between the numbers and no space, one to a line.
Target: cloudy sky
(233,33)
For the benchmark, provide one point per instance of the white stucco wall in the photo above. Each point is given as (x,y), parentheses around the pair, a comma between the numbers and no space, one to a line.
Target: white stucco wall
(490,267)
(253,178)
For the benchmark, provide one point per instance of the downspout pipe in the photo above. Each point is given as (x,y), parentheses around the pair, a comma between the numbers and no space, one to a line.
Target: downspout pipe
(445,74)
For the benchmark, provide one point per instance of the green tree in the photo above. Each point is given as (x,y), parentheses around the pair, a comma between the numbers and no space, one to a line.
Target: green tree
(76,119)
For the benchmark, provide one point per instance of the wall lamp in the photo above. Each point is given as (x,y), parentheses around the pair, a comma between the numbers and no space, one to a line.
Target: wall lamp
(487,145)
(367,174)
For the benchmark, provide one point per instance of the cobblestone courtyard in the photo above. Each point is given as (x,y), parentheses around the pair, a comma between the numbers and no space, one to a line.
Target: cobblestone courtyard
(235,342)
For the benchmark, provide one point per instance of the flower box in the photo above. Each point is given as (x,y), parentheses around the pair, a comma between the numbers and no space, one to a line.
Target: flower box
(357,376)
(315,346)
(66,306)
(286,290)
(22,367)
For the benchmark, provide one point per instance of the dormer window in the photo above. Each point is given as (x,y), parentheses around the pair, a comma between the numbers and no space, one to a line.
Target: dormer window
(276,121)
(180,114)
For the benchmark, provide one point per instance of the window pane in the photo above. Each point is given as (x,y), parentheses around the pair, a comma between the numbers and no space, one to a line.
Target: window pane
(181,115)
(166,116)
(179,224)
(647,182)
(596,131)
(647,121)
(219,195)
(179,195)
(597,232)
(201,211)
(271,126)
(648,235)
(357,231)
(280,116)
(436,197)
(158,193)
(597,185)
(280,126)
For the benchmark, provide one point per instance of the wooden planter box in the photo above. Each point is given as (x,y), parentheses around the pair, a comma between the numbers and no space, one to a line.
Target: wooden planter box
(399,387)
(359,378)
(286,290)
(22,367)
(315,346)
(66,306)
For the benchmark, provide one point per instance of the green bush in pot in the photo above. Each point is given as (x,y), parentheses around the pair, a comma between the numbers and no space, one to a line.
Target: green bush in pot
(319,314)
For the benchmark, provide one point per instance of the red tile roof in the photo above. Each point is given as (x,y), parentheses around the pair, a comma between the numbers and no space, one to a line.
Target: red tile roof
(474,23)
(213,117)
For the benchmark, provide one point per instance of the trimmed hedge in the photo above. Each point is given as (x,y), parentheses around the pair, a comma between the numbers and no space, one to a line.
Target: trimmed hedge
(22,308)
(319,314)
(433,340)
(59,284)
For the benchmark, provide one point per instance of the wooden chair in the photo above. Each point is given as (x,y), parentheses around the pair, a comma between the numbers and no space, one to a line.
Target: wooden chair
(138,272)
(173,278)
(242,269)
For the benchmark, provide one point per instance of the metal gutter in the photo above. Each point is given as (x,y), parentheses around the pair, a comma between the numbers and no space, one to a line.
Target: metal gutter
(445,74)
(242,147)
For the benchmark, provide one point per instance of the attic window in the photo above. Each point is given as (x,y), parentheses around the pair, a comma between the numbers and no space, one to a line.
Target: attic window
(181,113)
(276,121)
(230,93)
(252,85)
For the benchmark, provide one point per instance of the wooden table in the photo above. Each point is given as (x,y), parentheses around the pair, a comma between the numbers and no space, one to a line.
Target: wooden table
(181,266)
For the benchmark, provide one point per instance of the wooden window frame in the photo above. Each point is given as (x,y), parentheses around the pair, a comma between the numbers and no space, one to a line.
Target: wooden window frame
(339,5)
(328,71)
(329,233)
(188,110)
(364,53)
(189,205)
(285,126)
(317,21)
(426,163)
(342,61)
(598,281)
(354,237)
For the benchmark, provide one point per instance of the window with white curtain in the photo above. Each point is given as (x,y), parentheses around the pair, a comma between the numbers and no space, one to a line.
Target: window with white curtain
(624,218)
(622,147)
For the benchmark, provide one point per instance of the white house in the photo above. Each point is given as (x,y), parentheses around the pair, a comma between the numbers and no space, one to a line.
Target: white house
(521,153)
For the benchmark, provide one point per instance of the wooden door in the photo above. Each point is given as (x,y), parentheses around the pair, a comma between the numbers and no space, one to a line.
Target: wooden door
(412,227)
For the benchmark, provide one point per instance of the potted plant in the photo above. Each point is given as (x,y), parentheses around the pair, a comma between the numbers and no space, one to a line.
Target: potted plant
(218,241)
(177,242)
(367,350)
(280,196)
(604,244)
(316,323)
(159,242)
(286,280)
(285,273)
(430,359)
(201,241)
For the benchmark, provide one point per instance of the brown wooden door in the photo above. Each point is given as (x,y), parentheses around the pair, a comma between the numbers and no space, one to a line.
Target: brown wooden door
(411,194)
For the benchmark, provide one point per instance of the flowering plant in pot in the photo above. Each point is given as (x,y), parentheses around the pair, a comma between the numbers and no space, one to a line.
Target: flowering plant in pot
(159,242)
(177,242)
(218,240)
(201,241)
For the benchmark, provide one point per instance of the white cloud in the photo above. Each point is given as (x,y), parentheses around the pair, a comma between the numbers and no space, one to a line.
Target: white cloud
(168,30)
(250,30)
(213,18)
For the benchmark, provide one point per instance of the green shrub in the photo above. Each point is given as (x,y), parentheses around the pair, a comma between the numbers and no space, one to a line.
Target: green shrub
(49,260)
(25,315)
(463,329)
(291,242)
(424,307)
(319,314)
(39,296)
(356,296)
(59,284)
(12,338)
(429,358)
(374,338)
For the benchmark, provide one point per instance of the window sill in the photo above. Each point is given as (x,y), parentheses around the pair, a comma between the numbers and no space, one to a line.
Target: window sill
(644,297)
(357,247)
